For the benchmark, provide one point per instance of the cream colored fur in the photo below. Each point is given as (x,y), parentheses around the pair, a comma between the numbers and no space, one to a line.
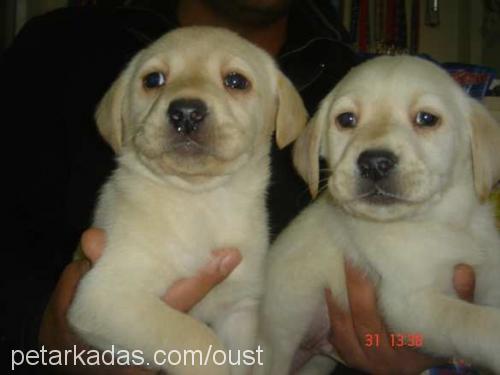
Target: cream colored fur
(165,210)
(407,248)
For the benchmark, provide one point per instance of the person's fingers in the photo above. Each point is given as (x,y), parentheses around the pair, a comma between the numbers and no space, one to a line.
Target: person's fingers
(229,259)
(53,328)
(350,329)
(369,325)
(363,302)
(184,294)
(367,344)
(93,241)
(66,286)
(464,281)
(342,335)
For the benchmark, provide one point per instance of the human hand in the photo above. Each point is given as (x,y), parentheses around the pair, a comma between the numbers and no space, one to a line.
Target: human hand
(184,294)
(348,330)
(55,333)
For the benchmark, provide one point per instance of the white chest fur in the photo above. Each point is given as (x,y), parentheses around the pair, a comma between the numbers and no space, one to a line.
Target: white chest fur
(157,234)
(415,254)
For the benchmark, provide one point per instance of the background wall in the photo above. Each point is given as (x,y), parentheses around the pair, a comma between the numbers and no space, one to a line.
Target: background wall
(451,40)
(461,35)
(491,34)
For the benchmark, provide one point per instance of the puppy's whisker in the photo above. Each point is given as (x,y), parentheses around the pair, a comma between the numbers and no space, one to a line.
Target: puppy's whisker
(323,181)
(322,188)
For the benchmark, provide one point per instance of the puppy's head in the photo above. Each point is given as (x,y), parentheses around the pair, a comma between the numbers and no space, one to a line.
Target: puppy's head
(199,103)
(397,133)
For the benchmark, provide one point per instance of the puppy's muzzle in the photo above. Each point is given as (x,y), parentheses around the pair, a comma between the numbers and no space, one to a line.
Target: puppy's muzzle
(187,115)
(377,183)
(375,165)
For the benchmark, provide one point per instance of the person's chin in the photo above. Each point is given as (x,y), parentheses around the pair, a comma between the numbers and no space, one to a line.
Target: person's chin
(251,12)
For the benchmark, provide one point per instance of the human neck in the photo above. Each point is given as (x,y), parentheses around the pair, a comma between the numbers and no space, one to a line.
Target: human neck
(269,37)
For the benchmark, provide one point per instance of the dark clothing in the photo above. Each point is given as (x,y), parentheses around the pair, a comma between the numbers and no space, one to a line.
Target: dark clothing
(52,77)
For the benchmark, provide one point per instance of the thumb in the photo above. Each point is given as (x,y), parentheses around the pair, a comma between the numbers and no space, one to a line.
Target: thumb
(184,294)
(66,286)
(464,282)
(93,241)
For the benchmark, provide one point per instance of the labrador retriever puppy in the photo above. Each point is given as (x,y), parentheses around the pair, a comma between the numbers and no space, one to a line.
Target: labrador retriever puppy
(411,160)
(191,120)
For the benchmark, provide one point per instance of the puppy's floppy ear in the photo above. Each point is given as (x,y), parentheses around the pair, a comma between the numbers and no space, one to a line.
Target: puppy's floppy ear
(292,115)
(485,149)
(109,113)
(306,150)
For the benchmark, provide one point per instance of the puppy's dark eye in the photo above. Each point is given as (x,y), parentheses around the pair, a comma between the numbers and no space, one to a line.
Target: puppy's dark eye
(347,120)
(154,79)
(236,81)
(426,119)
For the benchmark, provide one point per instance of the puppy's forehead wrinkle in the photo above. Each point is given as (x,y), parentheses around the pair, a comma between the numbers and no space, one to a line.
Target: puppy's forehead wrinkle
(389,76)
(231,48)
(149,62)
(343,102)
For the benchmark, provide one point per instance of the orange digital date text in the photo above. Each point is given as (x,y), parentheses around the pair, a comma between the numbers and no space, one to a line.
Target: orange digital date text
(395,340)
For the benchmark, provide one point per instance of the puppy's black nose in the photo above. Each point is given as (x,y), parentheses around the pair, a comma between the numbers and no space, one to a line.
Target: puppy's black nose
(376,164)
(186,115)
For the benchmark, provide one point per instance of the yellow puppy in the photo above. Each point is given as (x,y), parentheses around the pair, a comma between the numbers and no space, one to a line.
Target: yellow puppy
(412,160)
(191,120)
